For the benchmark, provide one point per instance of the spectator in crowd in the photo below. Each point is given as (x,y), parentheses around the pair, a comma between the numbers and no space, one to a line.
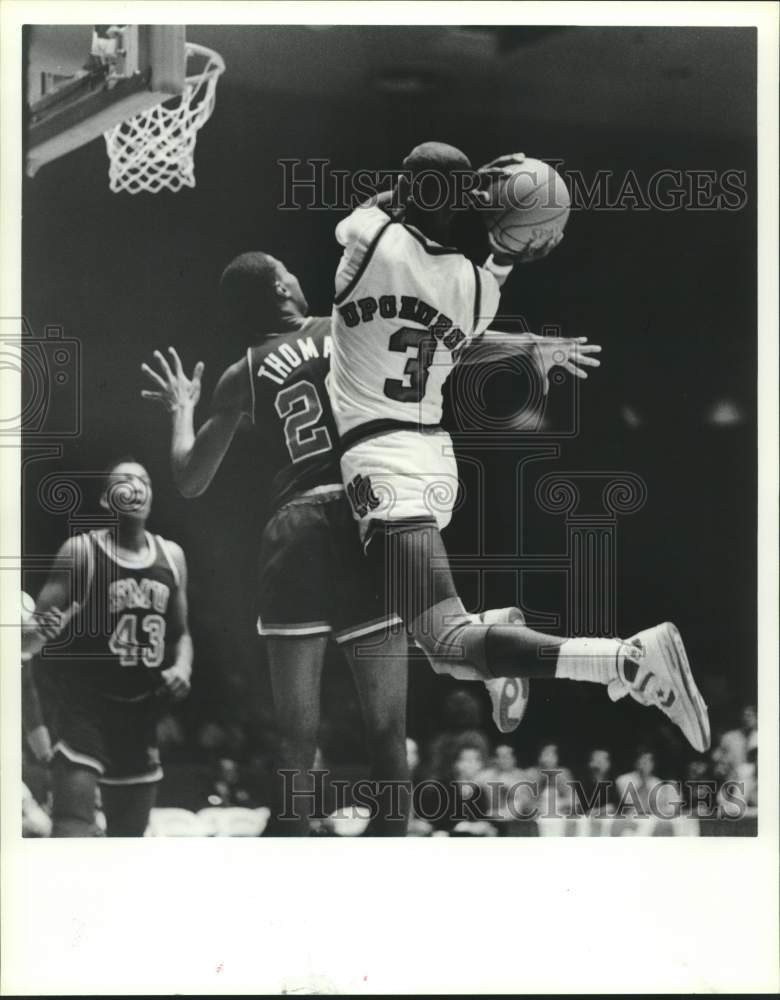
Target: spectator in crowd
(597,793)
(739,755)
(506,785)
(457,794)
(555,796)
(229,788)
(741,744)
(642,793)
(462,716)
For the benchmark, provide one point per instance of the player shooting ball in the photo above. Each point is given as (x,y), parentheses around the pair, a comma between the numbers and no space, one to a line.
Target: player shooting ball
(406,303)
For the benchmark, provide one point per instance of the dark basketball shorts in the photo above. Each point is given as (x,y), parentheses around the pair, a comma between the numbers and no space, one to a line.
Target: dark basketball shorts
(116,739)
(314,577)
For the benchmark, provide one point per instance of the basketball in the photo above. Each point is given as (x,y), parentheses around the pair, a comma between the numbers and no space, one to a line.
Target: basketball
(529,202)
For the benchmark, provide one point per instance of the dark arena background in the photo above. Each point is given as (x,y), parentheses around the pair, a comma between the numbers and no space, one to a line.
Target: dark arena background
(669,292)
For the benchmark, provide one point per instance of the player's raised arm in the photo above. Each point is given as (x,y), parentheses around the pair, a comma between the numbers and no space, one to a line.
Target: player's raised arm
(59,598)
(177,676)
(195,458)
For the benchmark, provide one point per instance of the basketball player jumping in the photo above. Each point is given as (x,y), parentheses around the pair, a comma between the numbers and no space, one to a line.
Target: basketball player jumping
(314,580)
(405,305)
(124,595)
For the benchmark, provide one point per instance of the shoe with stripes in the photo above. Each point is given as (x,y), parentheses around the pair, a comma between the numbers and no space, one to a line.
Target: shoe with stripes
(660,675)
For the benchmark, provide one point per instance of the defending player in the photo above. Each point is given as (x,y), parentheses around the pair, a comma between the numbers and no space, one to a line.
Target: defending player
(405,306)
(121,592)
(314,581)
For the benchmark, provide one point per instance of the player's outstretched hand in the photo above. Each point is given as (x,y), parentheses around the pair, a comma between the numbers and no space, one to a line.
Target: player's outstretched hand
(174,390)
(177,681)
(574,354)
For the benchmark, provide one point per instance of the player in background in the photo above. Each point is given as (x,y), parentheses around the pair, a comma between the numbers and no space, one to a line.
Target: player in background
(406,304)
(121,594)
(313,580)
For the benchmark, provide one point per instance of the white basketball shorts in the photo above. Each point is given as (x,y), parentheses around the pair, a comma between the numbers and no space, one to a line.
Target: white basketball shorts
(400,476)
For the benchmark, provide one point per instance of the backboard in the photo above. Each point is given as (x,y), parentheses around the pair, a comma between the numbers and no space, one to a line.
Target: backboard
(83,80)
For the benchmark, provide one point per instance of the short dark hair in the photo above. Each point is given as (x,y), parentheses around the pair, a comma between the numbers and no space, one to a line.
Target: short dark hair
(248,294)
(430,167)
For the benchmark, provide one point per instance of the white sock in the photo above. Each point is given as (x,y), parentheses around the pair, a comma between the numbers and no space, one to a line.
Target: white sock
(593,660)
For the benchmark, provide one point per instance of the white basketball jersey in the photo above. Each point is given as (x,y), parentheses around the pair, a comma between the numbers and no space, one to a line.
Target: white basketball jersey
(403,311)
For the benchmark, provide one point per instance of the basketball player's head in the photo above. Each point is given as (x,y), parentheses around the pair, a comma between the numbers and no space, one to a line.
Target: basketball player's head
(260,295)
(127,490)
(435,185)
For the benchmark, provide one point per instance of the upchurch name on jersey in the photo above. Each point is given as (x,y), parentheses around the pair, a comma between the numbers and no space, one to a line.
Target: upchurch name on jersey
(404,307)
(129,593)
(278,365)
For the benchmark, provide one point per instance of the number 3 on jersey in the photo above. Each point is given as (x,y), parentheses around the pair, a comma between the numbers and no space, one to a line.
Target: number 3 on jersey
(124,641)
(416,368)
(300,407)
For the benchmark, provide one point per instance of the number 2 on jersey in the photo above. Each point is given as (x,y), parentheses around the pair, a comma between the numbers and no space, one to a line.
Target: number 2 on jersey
(300,407)
(416,367)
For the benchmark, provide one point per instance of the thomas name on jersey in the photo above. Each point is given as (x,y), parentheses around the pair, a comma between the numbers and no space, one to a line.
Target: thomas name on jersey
(130,593)
(411,308)
(285,359)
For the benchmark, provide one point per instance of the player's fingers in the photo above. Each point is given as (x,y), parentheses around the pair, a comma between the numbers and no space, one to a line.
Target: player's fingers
(574,370)
(584,359)
(176,361)
(198,372)
(588,348)
(164,365)
(158,397)
(153,374)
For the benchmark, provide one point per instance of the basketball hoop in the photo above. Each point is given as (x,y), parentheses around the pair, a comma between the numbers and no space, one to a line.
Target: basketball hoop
(155,149)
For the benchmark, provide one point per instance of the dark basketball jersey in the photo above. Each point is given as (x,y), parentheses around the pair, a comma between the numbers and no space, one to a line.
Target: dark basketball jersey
(121,637)
(291,409)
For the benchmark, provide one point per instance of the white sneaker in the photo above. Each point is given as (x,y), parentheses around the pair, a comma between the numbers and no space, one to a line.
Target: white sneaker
(659,674)
(509,695)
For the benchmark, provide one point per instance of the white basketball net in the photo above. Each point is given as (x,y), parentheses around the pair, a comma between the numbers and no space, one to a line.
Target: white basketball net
(155,149)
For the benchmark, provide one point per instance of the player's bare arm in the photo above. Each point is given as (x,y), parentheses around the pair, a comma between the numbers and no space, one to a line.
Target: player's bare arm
(195,458)
(57,601)
(177,676)
(573,354)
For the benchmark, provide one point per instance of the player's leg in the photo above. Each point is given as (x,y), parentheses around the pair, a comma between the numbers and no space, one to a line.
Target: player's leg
(294,583)
(652,667)
(296,669)
(127,808)
(71,711)
(73,799)
(133,772)
(379,666)
(375,644)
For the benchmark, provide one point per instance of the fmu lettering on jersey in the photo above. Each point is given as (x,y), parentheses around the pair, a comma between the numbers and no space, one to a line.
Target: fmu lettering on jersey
(280,363)
(411,308)
(129,593)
